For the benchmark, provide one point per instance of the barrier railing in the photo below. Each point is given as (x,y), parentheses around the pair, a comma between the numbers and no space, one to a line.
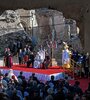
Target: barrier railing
(74,65)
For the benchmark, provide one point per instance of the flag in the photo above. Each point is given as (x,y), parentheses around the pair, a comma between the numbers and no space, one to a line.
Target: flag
(54,44)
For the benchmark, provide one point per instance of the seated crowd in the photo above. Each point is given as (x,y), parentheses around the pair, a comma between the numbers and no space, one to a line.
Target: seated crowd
(14,87)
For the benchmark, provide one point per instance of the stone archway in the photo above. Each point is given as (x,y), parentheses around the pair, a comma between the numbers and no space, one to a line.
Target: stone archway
(24,24)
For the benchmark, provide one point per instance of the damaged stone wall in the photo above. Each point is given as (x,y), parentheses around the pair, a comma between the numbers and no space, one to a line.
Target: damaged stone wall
(11,29)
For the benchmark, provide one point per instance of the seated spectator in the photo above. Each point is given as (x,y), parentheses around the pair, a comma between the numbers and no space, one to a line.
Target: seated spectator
(52,80)
(26,95)
(77,89)
(83,97)
(21,75)
(10,74)
(1,72)
(76,97)
(59,95)
(6,77)
(3,83)
(36,95)
(34,77)
(4,96)
(50,94)
(15,96)
(87,92)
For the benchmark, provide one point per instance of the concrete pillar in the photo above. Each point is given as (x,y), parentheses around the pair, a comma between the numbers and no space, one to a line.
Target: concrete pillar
(87,31)
(80,24)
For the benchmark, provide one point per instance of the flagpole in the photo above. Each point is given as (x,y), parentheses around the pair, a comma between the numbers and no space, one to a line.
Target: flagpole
(53,61)
(53,34)
(52,53)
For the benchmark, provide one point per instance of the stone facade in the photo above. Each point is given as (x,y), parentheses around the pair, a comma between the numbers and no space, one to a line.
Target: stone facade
(78,10)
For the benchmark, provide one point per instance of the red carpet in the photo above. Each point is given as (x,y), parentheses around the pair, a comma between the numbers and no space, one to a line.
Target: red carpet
(42,74)
(83,83)
(51,70)
(55,69)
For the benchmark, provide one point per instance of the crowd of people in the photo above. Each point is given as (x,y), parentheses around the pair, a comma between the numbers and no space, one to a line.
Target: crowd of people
(14,87)
(27,56)
(41,58)
(16,49)
(82,61)
(73,58)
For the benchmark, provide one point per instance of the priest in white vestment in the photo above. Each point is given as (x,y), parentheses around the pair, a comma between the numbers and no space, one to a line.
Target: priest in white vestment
(37,61)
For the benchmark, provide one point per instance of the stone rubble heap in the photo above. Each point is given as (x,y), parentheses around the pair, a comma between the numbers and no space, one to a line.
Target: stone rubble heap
(11,29)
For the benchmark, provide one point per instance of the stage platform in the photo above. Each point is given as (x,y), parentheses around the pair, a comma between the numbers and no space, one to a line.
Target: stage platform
(41,74)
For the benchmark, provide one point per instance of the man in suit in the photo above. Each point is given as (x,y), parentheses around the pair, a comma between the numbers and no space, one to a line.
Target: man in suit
(31,60)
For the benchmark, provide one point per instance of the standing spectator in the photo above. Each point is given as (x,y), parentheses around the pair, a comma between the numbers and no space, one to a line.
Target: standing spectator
(5,56)
(9,60)
(19,45)
(15,48)
(31,60)
(25,54)
(86,66)
(75,55)
(20,56)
